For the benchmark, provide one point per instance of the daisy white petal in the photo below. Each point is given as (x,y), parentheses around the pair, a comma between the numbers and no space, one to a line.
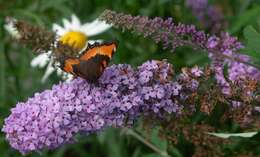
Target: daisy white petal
(58,29)
(49,70)
(67,25)
(41,60)
(75,21)
(89,26)
(100,27)
(93,41)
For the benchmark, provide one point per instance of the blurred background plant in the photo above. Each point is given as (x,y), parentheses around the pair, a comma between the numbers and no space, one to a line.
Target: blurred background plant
(18,80)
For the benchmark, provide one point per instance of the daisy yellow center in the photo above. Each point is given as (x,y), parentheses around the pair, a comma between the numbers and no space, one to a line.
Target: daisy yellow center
(75,39)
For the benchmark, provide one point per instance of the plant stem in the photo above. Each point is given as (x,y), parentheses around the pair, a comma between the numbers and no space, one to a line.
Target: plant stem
(131,132)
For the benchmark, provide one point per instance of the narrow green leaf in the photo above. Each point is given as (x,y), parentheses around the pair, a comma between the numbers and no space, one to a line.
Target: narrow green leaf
(227,135)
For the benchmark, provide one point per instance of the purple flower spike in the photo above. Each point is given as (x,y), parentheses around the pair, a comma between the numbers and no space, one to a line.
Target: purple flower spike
(53,117)
(222,50)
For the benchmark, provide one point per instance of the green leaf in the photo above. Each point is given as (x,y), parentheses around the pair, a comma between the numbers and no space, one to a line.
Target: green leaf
(253,42)
(227,135)
(244,19)
(252,37)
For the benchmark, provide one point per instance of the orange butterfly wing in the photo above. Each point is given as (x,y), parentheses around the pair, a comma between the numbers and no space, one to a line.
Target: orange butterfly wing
(106,49)
(68,65)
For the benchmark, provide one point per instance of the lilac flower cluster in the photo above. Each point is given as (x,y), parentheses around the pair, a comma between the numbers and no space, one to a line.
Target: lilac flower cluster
(53,117)
(209,15)
(229,46)
(222,50)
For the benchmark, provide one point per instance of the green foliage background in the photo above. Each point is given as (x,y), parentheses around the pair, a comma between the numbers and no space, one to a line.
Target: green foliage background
(18,80)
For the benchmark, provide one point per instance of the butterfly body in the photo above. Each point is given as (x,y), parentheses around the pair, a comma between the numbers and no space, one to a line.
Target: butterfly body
(91,63)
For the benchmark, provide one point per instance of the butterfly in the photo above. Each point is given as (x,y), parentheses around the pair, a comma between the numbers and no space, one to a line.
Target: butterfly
(91,63)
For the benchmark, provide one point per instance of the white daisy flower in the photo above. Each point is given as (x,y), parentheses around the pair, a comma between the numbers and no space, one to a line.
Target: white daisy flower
(73,34)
